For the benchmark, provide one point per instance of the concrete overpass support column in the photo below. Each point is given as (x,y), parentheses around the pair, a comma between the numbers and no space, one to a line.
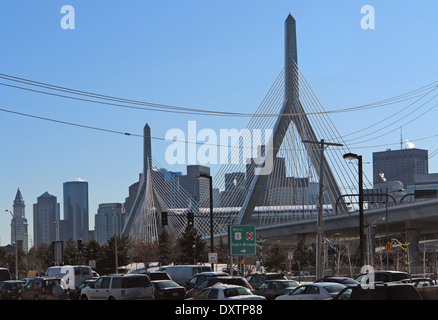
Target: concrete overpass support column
(413,236)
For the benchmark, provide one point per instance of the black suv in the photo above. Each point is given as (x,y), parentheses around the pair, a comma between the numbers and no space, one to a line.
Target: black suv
(385,276)
(381,291)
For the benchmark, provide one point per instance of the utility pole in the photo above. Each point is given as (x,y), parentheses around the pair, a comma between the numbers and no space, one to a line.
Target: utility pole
(319,230)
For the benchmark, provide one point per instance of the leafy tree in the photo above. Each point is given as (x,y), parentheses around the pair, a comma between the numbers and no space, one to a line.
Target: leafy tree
(144,252)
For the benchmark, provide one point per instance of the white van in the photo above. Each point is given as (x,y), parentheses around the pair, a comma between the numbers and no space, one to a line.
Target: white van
(72,275)
(183,273)
(119,287)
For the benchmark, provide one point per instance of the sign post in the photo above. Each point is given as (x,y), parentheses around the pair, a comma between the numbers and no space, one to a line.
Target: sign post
(243,241)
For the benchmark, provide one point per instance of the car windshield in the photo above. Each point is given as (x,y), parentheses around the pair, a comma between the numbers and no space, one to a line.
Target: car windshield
(238,291)
(167,284)
(287,284)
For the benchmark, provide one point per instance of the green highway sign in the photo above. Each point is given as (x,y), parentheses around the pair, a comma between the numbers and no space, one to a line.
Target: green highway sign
(243,241)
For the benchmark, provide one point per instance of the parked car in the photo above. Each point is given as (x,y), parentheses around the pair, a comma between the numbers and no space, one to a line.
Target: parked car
(5,274)
(72,275)
(208,282)
(222,291)
(381,291)
(344,280)
(200,277)
(256,279)
(314,291)
(419,282)
(119,287)
(274,288)
(425,286)
(9,289)
(157,275)
(168,290)
(44,288)
(385,276)
(75,293)
(182,273)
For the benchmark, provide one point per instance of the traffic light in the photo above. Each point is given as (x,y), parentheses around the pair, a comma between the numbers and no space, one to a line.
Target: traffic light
(190,219)
(194,242)
(80,246)
(164,218)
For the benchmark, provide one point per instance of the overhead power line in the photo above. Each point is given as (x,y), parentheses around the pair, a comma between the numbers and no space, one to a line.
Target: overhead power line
(148,106)
(69,123)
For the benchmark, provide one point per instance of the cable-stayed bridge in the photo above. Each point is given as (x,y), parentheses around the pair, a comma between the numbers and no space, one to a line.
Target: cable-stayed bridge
(271,177)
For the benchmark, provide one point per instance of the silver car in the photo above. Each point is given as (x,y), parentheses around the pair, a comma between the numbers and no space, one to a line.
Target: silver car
(314,291)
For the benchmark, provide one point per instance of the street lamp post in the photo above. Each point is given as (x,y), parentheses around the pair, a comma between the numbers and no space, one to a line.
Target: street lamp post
(16,246)
(352,156)
(210,178)
(370,252)
(115,242)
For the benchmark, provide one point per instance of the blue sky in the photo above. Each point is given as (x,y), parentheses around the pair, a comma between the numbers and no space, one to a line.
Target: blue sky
(221,55)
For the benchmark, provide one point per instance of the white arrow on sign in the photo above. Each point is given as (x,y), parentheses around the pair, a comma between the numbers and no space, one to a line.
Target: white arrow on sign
(243,250)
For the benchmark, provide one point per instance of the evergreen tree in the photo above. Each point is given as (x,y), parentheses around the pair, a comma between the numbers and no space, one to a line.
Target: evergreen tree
(107,261)
(164,246)
(277,260)
(306,255)
(71,252)
(222,252)
(192,248)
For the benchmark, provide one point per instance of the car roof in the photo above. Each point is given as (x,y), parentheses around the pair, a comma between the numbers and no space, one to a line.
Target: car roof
(267,273)
(322,284)
(212,273)
(125,275)
(275,280)
(47,278)
(220,285)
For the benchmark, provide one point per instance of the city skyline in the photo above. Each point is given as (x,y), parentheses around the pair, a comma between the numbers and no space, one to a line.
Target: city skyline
(210,56)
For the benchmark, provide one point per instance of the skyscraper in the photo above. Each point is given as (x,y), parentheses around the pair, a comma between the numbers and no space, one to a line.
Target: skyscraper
(76,210)
(109,221)
(46,219)
(399,165)
(19,226)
